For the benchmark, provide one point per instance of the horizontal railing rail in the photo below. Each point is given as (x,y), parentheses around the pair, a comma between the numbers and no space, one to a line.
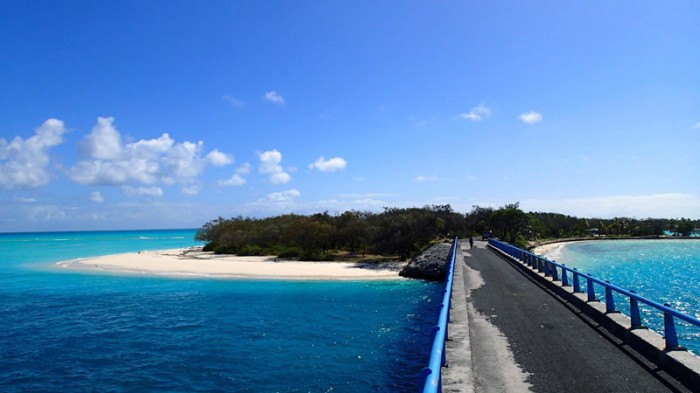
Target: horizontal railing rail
(553,269)
(431,375)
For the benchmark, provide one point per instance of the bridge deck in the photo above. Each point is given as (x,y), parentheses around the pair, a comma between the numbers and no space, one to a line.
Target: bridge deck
(522,337)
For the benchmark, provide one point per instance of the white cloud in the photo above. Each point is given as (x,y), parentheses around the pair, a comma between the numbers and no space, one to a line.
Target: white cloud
(24,200)
(531,117)
(143,191)
(233,101)
(330,165)
(147,161)
(23,163)
(423,179)
(235,180)
(46,213)
(280,178)
(191,190)
(104,142)
(269,164)
(184,160)
(274,97)
(96,197)
(478,113)
(269,161)
(217,158)
(243,169)
(279,200)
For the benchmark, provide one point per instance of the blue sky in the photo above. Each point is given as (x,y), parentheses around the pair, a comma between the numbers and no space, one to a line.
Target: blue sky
(166,114)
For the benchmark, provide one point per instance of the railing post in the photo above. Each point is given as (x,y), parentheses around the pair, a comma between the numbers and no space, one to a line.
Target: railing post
(443,359)
(634,313)
(577,282)
(423,376)
(609,301)
(564,277)
(670,331)
(591,291)
(555,275)
(546,268)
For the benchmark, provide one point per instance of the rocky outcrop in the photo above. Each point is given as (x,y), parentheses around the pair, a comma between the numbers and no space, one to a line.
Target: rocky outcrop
(430,265)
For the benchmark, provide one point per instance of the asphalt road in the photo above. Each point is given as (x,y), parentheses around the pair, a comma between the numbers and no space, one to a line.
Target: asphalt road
(524,338)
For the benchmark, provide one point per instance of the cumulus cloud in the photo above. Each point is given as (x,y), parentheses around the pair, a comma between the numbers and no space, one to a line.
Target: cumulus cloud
(96,197)
(23,163)
(147,161)
(274,97)
(330,165)
(243,169)
(531,117)
(143,191)
(104,142)
(280,178)
(237,179)
(217,158)
(270,164)
(282,199)
(478,113)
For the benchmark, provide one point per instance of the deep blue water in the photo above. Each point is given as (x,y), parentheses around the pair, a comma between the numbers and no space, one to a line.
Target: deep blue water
(72,331)
(666,271)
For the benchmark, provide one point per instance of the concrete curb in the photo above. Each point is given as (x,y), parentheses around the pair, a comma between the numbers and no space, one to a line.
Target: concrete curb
(458,377)
(681,365)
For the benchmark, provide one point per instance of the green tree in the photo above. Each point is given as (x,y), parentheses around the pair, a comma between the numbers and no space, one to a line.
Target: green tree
(685,227)
(479,219)
(510,222)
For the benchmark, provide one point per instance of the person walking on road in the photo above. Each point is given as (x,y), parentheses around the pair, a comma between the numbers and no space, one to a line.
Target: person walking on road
(471,242)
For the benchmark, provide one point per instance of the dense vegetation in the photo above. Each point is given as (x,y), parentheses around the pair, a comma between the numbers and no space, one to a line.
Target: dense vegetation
(395,232)
(405,232)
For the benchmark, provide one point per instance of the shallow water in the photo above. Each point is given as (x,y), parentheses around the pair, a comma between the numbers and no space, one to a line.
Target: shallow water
(76,331)
(666,271)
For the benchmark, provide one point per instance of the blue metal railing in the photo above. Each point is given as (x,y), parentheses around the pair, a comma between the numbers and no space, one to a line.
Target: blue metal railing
(552,269)
(431,375)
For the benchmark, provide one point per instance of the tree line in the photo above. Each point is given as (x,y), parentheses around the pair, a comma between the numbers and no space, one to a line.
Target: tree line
(511,224)
(393,232)
(404,232)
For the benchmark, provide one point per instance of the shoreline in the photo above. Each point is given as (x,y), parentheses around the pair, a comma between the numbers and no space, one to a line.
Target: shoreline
(193,262)
(551,246)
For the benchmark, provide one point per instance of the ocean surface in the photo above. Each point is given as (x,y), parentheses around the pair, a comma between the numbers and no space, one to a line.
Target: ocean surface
(666,271)
(68,331)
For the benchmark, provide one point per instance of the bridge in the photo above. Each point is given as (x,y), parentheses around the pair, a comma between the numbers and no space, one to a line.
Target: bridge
(511,330)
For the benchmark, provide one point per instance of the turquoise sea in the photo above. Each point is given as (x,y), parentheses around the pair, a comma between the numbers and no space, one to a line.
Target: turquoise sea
(667,271)
(68,331)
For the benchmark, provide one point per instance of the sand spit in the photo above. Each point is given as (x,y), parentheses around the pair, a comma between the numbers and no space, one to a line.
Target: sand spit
(194,262)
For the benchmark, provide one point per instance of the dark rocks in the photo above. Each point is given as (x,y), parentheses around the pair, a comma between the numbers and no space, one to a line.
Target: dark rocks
(430,265)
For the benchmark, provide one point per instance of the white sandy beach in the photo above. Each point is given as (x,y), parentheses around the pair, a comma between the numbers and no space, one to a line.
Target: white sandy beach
(548,249)
(194,262)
